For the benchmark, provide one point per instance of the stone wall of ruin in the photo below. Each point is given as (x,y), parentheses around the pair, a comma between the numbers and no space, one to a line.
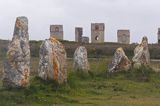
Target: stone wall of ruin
(56,31)
(123,36)
(97,32)
(78,34)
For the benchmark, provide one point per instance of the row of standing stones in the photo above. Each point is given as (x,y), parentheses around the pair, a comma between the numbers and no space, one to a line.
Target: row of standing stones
(52,63)
(141,57)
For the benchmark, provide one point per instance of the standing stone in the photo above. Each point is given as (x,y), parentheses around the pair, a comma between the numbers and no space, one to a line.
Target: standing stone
(141,53)
(120,61)
(52,64)
(80,59)
(17,66)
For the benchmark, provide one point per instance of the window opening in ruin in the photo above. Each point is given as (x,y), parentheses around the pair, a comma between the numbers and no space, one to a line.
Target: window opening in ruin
(96,38)
(124,34)
(96,27)
(57,29)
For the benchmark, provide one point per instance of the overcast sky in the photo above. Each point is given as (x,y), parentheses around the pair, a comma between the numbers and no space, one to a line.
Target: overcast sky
(142,17)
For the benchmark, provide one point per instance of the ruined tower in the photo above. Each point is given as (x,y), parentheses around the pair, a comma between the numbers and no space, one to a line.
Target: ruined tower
(56,31)
(97,32)
(123,36)
(78,34)
(85,39)
(158,35)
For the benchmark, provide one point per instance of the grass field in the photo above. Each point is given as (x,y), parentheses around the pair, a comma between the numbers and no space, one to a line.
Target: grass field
(133,88)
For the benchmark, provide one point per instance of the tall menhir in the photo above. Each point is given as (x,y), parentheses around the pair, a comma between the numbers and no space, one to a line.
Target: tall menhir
(17,65)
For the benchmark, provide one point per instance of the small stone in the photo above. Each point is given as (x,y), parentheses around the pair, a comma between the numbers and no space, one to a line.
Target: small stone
(52,64)
(141,53)
(17,66)
(80,59)
(120,61)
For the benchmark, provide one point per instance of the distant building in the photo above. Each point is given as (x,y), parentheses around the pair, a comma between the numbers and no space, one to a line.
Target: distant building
(78,34)
(56,31)
(158,35)
(97,32)
(85,39)
(123,36)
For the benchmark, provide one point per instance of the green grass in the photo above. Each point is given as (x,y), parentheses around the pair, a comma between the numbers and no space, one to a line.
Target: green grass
(136,87)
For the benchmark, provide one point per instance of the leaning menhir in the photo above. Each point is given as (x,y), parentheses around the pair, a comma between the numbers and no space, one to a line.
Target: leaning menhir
(80,59)
(17,66)
(120,61)
(52,64)
(141,53)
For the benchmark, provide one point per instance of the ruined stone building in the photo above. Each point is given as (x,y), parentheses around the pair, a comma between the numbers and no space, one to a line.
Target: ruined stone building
(97,32)
(85,39)
(78,34)
(123,36)
(158,35)
(56,31)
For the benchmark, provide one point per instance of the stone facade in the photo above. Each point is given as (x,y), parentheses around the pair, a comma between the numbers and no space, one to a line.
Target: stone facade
(97,32)
(17,66)
(158,35)
(78,34)
(56,31)
(85,39)
(123,36)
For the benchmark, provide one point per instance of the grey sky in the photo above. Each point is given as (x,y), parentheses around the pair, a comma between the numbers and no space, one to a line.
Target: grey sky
(142,17)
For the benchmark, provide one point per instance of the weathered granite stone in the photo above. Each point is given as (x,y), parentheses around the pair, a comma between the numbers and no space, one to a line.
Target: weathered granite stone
(141,53)
(120,61)
(52,64)
(80,59)
(17,66)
